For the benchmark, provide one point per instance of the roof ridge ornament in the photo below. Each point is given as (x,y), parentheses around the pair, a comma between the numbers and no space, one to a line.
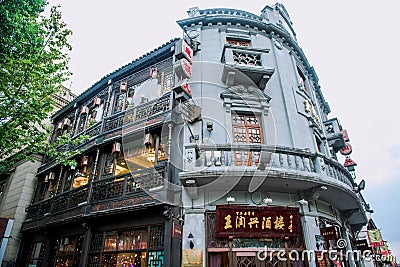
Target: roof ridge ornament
(193,12)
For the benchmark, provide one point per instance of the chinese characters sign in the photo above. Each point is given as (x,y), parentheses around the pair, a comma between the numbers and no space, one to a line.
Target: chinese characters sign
(259,222)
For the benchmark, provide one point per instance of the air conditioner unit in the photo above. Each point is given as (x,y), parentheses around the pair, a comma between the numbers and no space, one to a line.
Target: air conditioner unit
(123,86)
(116,148)
(148,139)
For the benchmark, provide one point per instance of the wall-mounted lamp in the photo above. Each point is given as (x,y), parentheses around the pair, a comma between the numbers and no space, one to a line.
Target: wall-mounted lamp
(210,126)
(191,237)
(267,200)
(360,186)
(302,202)
(314,192)
(230,199)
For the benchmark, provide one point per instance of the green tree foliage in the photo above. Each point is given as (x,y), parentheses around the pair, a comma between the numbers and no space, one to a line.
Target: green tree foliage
(33,65)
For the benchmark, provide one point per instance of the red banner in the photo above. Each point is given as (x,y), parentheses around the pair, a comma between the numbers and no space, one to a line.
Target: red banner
(258,222)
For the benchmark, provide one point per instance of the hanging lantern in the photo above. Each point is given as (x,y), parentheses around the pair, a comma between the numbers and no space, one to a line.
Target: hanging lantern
(66,123)
(148,139)
(85,160)
(116,148)
(153,73)
(123,86)
(84,110)
(97,101)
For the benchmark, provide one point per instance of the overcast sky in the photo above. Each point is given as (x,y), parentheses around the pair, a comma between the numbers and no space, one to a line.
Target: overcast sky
(353,46)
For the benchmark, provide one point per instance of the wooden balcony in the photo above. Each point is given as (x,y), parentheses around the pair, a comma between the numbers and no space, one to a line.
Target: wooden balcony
(113,194)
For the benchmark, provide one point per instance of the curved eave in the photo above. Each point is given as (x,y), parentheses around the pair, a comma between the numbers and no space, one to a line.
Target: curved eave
(158,54)
(260,27)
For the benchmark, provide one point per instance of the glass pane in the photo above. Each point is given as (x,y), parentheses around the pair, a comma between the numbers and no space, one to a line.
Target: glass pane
(110,243)
(131,259)
(109,260)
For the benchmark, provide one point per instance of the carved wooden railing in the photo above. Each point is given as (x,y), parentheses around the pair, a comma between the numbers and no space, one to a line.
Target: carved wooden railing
(248,155)
(102,190)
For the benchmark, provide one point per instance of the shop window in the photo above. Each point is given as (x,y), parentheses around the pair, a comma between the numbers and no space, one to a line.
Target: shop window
(238,42)
(136,247)
(246,129)
(67,251)
(36,254)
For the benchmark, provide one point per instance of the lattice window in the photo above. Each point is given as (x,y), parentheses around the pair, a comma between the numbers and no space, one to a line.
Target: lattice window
(156,237)
(96,242)
(119,102)
(155,259)
(246,261)
(247,58)
(245,43)
(246,130)
(167,82)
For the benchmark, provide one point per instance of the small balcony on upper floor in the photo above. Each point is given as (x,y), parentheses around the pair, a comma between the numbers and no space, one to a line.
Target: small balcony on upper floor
(148,114)
(251,167)
(130,191)
(245,66)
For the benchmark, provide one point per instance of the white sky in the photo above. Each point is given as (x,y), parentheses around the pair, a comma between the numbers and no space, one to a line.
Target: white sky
(353,46)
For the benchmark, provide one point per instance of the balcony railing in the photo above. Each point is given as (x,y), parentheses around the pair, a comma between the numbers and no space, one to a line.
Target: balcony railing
(247,155)
(113,189)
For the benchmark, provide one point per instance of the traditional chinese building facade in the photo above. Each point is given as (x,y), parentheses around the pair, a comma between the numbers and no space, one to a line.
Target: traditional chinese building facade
(260,167)
(203,152)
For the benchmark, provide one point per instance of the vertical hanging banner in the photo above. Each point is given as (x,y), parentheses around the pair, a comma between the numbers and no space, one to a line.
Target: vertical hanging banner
(375,238)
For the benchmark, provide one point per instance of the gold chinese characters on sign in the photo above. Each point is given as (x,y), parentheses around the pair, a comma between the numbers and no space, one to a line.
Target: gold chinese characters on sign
(241,221)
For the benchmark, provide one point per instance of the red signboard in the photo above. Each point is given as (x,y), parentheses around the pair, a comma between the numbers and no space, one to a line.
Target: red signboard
(349,163)
(257,222)
(361,244)
(347,150)
(345,136)
(183,50)
(329,233)
(183,68)
(177,230)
